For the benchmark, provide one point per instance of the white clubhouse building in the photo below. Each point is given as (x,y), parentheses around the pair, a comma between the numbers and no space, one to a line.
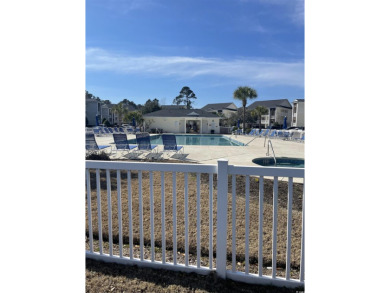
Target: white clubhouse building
(182,121)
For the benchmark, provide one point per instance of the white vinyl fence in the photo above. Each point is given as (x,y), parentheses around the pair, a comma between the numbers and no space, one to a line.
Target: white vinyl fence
(223,170)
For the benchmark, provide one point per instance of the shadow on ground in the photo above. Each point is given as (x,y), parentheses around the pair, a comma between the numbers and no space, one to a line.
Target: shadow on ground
(105,277)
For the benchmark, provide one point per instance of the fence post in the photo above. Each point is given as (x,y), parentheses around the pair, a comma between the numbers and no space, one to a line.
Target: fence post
(222,200)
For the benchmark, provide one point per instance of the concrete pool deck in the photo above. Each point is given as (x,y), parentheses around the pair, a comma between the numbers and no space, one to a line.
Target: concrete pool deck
(237,155)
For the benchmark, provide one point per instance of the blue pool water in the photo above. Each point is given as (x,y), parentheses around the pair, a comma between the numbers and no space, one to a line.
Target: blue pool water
(195,139)
(280,162)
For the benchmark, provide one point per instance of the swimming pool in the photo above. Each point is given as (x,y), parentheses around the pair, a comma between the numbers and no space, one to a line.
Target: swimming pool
(195,139)
(280,162)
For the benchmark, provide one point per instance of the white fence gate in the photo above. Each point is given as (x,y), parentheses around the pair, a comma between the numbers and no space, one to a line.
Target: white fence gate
(223,170)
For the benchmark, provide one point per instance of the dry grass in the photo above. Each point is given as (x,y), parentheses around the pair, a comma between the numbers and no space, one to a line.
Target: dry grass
(240,216)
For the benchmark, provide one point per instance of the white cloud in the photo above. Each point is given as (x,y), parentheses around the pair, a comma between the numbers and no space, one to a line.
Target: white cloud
(257,71)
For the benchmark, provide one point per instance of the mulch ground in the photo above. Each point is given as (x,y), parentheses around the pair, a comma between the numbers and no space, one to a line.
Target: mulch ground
(108,277)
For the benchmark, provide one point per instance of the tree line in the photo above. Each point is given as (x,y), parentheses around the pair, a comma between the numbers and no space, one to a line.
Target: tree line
(186,98)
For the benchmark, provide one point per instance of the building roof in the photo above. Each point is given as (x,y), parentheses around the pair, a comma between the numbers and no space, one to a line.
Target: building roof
(92,101)
(172,107)
(284,103)
(128,107)
(299,100)
(181,113)
(218,106)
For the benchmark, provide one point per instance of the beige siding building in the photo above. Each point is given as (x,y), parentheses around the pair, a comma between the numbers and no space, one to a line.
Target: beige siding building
(277,110)
(225,109)
(194,121)
(298,113)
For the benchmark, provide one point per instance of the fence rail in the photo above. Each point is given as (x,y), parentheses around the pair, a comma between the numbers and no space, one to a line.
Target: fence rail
(156,220)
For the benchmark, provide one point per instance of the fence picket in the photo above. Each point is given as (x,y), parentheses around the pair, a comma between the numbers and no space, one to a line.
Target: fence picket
(118,187)
(108,180)
(289,227)
(89,210)
(151,215)
(99,211)
(210,221)
(130,208)
(174,218)
(163,215)
(141,233)
(186,217)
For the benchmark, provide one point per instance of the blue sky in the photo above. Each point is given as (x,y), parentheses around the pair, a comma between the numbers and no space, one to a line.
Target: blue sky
(146,49)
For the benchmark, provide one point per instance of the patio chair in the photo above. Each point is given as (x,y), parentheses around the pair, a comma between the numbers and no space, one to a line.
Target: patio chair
(110,130)
(286,135)
(252,132)
(143,142)
(96,131)
(106,131)
(273,134)
(121,144)
(260,133)
(265,133)
(121,130)
(91,145)
(116,130)
(296,135)
(169,141)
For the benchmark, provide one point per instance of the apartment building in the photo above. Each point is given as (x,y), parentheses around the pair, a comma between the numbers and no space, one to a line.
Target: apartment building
(298,113)
(277,110)
(225,109)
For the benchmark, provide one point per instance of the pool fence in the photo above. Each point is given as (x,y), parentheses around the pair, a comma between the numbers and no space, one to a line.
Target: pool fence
(223,172)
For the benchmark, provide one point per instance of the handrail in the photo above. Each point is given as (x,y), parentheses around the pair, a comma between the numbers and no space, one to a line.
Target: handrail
(267,154)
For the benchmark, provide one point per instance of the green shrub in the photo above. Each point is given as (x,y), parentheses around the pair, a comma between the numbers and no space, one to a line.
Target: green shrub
(96,156)
(106,123)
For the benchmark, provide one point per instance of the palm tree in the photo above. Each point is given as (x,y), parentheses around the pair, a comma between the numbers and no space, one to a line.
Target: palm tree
(120,110)
(258,111)
(243,93)
(137,115)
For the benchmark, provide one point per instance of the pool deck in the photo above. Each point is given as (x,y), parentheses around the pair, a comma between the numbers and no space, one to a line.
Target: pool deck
(237,155)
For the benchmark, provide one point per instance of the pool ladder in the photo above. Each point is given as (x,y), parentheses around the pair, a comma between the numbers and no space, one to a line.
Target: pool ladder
(267,154)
